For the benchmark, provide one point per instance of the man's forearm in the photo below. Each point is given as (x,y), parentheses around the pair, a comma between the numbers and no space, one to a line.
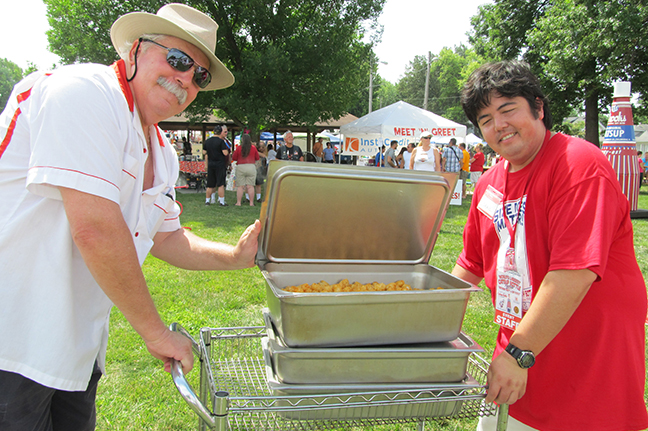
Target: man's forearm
(186,250)
(465,275)
(556,300)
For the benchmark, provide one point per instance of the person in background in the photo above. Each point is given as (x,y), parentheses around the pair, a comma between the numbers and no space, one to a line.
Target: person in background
(216,151)
(272,154)
(87,179)
(549,229)
(465,168)
(477,164)
(400,159)
(318,148)
(452,157)
(642,168)
(262,170)
(390,155)
(425,157)
(289,151)
(407,155)
(245,156)
(329,153)
(177,147)
(380,159)
(186,147)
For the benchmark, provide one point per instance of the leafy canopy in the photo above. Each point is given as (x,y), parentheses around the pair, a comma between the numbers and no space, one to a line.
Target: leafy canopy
(295,61)
(578,48)
(10,74)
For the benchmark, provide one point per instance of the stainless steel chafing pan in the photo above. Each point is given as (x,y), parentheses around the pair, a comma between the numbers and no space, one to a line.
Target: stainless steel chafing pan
(365,224)
(412,363)
(349,401)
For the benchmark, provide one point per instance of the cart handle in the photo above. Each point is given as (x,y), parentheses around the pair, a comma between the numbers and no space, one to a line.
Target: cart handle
(183,385)
(502,417)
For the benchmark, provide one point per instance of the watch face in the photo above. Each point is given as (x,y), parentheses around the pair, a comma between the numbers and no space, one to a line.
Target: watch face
(526,360)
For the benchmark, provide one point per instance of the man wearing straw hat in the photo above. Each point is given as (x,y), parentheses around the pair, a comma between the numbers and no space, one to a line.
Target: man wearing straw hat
(87,180)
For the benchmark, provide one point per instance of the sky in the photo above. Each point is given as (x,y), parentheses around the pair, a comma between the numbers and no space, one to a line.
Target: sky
(411,28)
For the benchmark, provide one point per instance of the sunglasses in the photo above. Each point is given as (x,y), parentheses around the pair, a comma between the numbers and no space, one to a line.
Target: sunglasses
(182,62)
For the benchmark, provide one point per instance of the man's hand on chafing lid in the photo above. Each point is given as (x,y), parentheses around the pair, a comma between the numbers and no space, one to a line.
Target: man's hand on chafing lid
(106,245)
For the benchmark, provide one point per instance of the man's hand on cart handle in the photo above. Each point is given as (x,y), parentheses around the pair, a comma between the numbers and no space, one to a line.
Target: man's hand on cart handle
(506,380)
(173,345)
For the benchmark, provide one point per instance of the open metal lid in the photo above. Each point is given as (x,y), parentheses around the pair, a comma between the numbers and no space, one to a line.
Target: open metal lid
(326,213)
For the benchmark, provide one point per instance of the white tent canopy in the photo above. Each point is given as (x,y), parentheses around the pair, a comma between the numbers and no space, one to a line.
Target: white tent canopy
(401,122)
(473,139)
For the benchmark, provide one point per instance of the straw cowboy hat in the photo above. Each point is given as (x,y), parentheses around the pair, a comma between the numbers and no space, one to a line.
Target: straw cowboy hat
(180,21)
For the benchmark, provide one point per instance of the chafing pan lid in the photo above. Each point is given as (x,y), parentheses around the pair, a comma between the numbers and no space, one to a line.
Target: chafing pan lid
(324,213)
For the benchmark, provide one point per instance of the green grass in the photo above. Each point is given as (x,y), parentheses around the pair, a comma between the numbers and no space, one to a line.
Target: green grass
(136,394)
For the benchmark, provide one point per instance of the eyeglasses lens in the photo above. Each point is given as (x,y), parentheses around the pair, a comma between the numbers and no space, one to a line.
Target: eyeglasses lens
(182,62)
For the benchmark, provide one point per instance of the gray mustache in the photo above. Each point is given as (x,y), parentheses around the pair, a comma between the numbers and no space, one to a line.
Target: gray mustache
(174,89)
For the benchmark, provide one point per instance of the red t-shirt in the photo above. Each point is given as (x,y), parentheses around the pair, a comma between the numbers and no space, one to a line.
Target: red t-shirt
(251,158)
(478,163)
(591,376)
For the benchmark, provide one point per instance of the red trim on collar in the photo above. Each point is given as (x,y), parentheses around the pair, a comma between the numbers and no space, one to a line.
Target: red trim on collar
(120,70)
(12,125)
(157,129)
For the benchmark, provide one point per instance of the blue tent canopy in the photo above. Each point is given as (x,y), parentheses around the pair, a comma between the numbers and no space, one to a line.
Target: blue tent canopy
(267,136)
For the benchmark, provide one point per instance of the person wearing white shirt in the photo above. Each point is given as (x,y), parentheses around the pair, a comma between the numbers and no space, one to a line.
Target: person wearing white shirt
(88,184)
(407,155)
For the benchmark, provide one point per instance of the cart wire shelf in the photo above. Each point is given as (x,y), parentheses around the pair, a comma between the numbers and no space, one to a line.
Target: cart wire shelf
(234,375)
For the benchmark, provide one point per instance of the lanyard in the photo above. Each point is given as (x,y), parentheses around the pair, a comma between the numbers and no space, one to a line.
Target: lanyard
(512,229)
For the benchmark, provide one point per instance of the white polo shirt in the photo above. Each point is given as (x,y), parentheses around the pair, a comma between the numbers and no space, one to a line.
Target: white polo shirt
(77,128)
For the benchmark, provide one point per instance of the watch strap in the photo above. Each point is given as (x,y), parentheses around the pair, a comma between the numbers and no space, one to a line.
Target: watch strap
(524,358)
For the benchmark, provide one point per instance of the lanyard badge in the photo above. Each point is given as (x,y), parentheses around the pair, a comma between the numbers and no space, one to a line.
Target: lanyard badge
(510,282)
(509,295)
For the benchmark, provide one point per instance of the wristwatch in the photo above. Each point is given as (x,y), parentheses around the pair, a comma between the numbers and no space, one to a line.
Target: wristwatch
(524,358)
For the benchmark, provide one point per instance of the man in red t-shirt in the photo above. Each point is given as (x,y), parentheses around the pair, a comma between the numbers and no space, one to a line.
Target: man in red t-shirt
(552,238)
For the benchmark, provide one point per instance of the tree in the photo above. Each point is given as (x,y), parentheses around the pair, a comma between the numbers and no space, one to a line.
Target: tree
(10,74)
(295,62)
(387,94)
(449,70)
(384,93)
(578,48)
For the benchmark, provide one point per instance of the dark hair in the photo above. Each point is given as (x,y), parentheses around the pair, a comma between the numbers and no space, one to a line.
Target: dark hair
(453,141)
(246,144)
(510,79)
(402,150)
(270,147)
(393,142)
(218,129)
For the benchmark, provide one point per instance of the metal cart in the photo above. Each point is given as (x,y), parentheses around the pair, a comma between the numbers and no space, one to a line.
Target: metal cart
(233,375)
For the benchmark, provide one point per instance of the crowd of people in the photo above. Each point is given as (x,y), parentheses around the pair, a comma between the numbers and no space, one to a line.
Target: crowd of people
(219,157)
(244,166)
(425,156)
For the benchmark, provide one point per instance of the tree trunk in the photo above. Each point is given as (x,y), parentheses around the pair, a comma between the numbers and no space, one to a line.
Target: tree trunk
(591,116)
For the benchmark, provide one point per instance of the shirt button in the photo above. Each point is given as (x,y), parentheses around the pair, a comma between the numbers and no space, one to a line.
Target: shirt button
(136,234)
(144,150)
